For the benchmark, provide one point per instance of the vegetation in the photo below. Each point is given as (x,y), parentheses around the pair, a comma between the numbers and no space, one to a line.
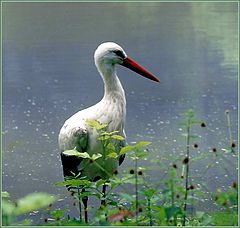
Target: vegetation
(171,202)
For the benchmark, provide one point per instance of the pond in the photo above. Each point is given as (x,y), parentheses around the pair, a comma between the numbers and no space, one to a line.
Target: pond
(49,74)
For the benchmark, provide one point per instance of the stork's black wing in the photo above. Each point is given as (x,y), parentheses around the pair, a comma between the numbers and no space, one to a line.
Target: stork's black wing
(71,164)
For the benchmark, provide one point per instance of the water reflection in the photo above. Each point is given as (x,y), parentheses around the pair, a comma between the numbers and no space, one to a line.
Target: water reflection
(49,71)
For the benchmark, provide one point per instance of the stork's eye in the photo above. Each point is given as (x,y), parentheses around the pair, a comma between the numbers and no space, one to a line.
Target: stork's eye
(119,53)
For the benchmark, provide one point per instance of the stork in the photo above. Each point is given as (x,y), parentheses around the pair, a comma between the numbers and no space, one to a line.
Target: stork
(75,133)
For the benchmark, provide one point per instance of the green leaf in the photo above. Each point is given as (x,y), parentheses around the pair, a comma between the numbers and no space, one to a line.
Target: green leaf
(58,213)
(225,219)
(172,211)
(76,153)
(110,148)
(118,137)
(73,183)
(112,155)
(96,156)
(83,155)
(126,149)
(190,113)
(149,193)
(5,195)
(8,208)
(100,182)
(138,145)
(105,133)
(95,124)
(33,201)
(110,133)
(127,197)
(141,144)
(141,154)
(104,137)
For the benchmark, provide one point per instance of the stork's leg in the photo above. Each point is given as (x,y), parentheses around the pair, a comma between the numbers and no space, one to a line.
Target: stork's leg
(85,201)
(103,201)
(79,205)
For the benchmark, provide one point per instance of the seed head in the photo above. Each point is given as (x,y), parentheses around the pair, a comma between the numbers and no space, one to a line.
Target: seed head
(227,112)
(131,171)
(195,145)
(177,196)
(214,150)
(45,219)
(234,185)
(233,145)
(185,160)
(115,172)
(140,173)
(174,166)
(140,209)
(225,203)
(191,187)
(203,124)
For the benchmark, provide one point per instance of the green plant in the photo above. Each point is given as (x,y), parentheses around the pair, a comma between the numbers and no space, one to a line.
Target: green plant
(132,198)
(12,209)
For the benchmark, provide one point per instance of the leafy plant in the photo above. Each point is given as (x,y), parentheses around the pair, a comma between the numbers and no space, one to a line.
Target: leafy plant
(12,209)
(131,198)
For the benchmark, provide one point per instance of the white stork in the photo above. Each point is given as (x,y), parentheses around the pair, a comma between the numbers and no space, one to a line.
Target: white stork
(76,133)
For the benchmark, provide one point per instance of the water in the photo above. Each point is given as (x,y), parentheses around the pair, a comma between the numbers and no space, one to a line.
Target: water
(49,74)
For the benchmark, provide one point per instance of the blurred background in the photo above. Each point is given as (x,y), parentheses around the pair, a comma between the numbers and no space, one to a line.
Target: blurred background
(49,74)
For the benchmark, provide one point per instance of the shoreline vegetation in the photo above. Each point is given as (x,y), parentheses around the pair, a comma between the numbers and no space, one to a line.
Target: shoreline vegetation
(171,202)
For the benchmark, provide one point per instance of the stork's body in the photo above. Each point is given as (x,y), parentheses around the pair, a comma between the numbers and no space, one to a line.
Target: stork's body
(75,133)
(111,110)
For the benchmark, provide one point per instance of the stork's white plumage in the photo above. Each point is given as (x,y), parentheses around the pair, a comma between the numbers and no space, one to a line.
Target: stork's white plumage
(75,133)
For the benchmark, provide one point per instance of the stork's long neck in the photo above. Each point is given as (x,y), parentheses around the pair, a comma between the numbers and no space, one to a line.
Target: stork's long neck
(114,101)
(112,85)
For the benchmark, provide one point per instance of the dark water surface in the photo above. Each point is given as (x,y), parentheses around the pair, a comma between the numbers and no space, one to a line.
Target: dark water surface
(49,74)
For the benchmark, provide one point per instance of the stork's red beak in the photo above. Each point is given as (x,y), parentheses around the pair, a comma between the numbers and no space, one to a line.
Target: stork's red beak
(132,65)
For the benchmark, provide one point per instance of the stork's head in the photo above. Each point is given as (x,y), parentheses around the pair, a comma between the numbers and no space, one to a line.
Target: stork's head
(110,54)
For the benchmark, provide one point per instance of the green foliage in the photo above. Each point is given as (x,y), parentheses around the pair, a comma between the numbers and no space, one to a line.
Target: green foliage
(147,204)
(225,219)
(26,204)
(33,202)
(95,124)
(84,155)
(135,147)
(73,182)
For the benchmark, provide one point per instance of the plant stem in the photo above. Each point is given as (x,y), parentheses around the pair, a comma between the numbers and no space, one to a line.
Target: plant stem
(172,193)
(79,205)
(136,189)
(149,212)
(100,167)
(187,173)
(229,127)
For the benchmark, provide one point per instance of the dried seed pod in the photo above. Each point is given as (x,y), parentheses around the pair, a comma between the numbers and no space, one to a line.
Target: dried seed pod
(115,172)
(214,150)
(203,124)
(185,160)
(195,145)
(131,171)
